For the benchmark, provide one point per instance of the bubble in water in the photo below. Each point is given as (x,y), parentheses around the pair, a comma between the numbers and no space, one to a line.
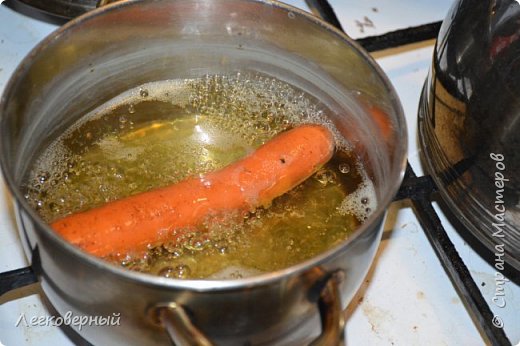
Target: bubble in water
(131,109)
(173,249)
(43,177)
(53,207)
(344,168)
(196,244)
(181,271)
(325,177)
(143,92)
(364,200)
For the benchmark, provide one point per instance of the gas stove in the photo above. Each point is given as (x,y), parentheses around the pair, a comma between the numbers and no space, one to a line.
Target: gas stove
(408,296)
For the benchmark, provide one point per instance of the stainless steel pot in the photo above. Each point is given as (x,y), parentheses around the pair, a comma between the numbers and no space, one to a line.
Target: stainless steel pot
(469,122)
(105,52)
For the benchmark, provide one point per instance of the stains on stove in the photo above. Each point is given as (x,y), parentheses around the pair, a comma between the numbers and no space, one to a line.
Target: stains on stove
(365,23)
(412,227)
(380,320)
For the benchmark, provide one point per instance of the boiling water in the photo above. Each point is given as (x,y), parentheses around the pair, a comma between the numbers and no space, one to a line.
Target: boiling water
(163,132)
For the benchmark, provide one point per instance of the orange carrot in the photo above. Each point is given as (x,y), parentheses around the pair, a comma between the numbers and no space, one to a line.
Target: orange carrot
(131,224)
(382,121)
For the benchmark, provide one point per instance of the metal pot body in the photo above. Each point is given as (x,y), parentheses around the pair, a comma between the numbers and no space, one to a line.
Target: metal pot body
(278,310)
(469,121)
(104,53)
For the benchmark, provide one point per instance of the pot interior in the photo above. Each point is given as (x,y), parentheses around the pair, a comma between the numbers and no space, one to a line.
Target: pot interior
(97,57)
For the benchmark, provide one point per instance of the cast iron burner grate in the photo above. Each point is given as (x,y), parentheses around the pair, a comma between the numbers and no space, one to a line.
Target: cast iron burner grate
(419,190)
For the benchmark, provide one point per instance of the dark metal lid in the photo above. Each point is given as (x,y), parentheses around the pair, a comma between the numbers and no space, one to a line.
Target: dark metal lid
(469,121)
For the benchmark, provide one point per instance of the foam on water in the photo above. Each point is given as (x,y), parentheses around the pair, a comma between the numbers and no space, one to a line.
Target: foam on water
(362,202)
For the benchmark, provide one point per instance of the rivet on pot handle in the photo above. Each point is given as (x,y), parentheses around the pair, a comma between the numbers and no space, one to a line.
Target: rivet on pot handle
(180,329)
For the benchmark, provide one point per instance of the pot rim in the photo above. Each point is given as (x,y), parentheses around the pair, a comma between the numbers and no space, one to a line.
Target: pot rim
(205,285)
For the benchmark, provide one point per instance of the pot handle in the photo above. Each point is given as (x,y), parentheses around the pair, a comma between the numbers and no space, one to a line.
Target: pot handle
(180,329)
(331,314)
(17,278)
(183,332)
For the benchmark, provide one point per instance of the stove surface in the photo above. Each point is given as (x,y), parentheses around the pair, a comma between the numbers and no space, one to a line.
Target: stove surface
(407,298)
